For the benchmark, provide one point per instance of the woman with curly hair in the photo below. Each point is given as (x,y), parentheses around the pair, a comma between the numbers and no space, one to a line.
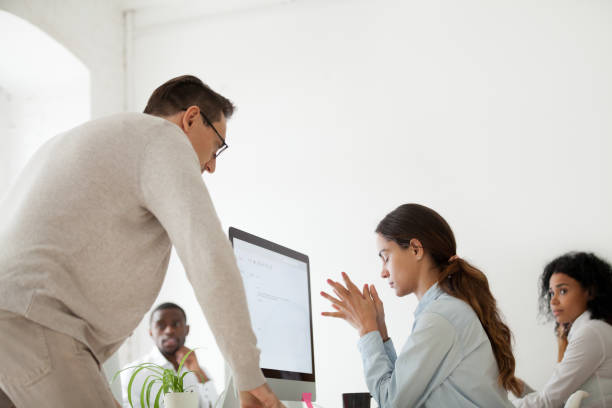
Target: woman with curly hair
(576,289)
(459,353)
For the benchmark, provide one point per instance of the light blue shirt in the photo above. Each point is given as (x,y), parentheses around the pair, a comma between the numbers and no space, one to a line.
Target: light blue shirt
(446,362)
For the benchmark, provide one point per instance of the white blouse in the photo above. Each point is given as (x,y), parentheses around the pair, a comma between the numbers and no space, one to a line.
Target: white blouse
(586,366)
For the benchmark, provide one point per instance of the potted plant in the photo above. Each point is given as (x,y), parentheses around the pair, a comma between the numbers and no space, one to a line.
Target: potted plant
(171,385)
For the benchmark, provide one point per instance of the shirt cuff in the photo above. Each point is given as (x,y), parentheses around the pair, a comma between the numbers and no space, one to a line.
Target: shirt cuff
(390,349)
(370,342)
(248,375)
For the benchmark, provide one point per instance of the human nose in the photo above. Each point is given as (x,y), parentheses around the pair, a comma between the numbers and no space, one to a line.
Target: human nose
(384,273)
(211,165)
(554,300)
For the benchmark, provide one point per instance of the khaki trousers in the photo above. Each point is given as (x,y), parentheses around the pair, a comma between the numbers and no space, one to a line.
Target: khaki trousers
(40,367)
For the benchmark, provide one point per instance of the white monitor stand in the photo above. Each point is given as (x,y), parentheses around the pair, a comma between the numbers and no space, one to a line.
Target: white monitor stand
(229,399)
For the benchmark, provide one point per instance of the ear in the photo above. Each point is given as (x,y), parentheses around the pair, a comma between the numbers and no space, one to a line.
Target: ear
(591,294)
(417,248)
(186,330)
(189,117)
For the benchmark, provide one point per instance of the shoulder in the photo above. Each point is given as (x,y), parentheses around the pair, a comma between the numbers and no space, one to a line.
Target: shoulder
(135,124)
(124,131)
(461,317)
(167,151)
(128,121)
(163,137)
(455,310)
(593,331)
(432,327)
(599,325)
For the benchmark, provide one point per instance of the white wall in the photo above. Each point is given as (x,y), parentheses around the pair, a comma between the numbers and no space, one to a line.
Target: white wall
(493,113)
(66,69)
(93,31)
(42,93)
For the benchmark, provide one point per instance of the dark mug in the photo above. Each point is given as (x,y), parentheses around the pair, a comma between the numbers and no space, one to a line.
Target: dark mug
(356,400)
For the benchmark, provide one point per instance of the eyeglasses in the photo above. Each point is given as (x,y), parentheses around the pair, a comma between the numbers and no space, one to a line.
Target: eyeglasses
(224,145)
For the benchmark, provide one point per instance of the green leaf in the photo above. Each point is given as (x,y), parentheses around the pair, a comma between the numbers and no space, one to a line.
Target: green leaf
(181,379)
(183,360)
(168,375)
(156,405)
(142,391)
(140,367)
(178,386)
(183,376)
(132,378)
(149,391)
(148,365)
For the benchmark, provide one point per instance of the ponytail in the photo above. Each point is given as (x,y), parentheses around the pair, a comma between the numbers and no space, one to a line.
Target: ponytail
(465,282)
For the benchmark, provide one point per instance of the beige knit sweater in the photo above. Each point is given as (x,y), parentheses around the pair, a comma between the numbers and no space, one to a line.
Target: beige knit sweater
(86,232)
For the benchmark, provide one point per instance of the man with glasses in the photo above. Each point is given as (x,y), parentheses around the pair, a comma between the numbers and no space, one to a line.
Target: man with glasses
(85,237)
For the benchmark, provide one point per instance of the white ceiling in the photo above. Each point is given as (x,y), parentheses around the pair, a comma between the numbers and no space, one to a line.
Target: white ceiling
(206,6)
(151,12)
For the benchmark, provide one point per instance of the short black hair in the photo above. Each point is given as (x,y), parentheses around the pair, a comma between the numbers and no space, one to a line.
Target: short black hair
(593,273)
(164,306)
(184,91)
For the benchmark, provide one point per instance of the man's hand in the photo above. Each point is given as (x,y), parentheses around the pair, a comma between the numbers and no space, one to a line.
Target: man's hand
(260,397)
(191,363)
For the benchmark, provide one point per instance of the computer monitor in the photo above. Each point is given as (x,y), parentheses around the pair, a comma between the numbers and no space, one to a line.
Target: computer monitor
(277,284)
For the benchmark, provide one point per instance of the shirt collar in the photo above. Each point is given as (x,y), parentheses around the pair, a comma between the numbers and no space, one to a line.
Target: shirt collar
(432,294)
(156,357)
(579,322)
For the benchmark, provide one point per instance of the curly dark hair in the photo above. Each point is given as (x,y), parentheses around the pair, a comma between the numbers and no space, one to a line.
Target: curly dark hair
(593,273)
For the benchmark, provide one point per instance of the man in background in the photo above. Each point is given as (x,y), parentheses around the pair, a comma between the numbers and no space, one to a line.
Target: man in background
(85,239)
(168,328)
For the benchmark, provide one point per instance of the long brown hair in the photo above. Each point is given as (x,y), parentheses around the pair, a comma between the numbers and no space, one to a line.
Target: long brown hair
(457,278)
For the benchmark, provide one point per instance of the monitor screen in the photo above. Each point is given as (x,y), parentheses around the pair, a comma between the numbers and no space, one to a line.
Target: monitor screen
(277,285)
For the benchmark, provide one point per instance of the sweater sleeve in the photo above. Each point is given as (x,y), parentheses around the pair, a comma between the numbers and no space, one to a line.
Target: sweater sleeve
(174,192)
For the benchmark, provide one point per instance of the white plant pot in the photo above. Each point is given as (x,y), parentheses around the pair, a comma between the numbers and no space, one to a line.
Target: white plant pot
(181,400)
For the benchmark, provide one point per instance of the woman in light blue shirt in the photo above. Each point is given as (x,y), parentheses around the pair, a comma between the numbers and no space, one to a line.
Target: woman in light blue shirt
(459,352)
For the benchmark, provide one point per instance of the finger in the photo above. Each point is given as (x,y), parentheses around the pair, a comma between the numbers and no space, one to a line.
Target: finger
(338,288)
(374,293)
(349,283)
(339,295)
(368,293)
(330,298)
(340,307)
(338,315)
